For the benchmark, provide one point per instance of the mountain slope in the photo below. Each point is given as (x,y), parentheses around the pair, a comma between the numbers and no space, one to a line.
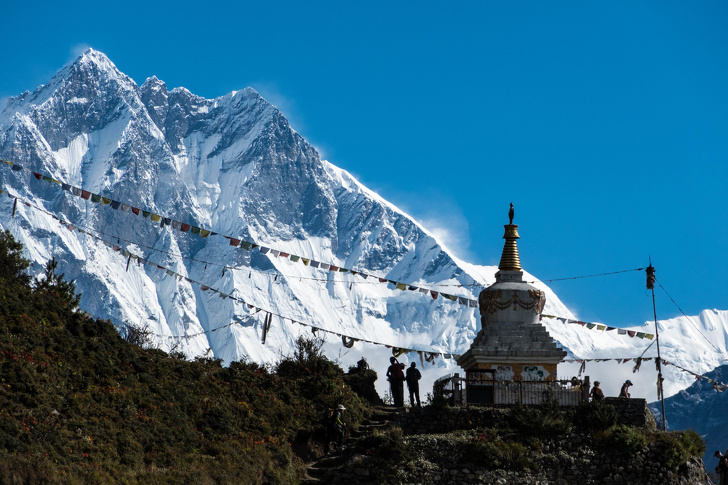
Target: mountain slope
(234,165)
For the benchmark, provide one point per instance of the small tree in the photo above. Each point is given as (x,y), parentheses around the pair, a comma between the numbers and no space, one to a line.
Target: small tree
(54,285)
(12,263)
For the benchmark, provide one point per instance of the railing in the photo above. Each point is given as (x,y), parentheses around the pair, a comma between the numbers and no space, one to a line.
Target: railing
(481,390)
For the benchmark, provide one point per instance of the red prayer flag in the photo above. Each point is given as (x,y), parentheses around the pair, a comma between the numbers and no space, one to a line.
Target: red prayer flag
(135,210)
(85,194)
(631,333)
(434,295)
(333,268)
(184,227)
(284,255)
(234,242)
(37,175)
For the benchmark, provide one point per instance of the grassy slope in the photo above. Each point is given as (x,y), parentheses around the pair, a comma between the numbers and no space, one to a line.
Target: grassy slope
(78,403)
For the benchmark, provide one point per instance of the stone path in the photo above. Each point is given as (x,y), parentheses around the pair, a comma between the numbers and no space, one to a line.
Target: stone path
(383,418)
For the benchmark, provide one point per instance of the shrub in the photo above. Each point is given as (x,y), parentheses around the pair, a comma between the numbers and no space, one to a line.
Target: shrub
(497,454)
(595,416)
(623,439)
(675,448)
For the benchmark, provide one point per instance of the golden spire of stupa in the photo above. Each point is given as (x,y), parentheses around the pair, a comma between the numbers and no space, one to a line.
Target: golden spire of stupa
(509,259)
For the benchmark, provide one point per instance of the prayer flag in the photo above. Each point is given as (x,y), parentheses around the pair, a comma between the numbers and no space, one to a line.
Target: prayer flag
(115,204)
(590,325)
(38,176)
(18,168)
(473,304)
(295,258)
(184,227)
(401,286)
(283,255)
(601,327)
(135,210)
(76,191)
(125,207)
(146,214)
(324,266)
(176,225)
(333,268)
(264,250)
(434,295)
(195,230)
(641,334)
(95,198)
(234,242)
(305,261)
(314,264)
(631,333)
(245,245)
(66,187)
(204,232)
(155,217)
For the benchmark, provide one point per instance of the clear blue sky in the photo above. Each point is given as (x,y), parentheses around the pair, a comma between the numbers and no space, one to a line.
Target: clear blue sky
(605,123)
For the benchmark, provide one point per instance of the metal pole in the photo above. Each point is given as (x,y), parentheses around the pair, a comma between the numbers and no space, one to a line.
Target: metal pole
(651,286)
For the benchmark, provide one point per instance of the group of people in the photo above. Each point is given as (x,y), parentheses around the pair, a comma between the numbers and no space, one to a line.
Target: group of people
(397,376)
(597,394)
(334,428)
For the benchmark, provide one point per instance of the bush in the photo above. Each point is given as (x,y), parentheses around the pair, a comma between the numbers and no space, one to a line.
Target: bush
(676,447)
(595,416)
(623,439)
(496,454)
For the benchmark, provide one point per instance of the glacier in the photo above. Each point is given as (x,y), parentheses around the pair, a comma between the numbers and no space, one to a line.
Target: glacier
(234,165)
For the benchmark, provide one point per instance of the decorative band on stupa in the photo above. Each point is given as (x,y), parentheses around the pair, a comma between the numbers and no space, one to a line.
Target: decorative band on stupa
(509,258)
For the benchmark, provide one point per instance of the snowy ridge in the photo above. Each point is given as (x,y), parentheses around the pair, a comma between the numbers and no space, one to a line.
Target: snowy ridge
(234,165)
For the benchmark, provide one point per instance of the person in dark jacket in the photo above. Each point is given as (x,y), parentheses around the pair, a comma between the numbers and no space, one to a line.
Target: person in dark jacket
(596,393)
(722,468)
(395,375)
(413,384)
(624,392)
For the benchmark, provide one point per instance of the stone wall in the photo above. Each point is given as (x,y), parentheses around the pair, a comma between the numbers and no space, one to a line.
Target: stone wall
(632,412)
(443,459)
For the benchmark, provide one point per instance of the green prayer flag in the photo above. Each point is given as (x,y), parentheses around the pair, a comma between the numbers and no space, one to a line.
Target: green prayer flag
(295,258)
(245,245)
(195,230)
(146,213)
(95,198)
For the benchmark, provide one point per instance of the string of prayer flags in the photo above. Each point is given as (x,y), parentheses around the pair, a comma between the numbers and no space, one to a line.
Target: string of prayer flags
(237,242)
(346,339)
(600,327)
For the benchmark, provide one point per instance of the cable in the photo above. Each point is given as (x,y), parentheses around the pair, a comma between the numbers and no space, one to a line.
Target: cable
(692,323)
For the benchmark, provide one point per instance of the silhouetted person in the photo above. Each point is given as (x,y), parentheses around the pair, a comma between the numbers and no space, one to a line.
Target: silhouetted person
(596,393)
(413,384)
(395,375)
(624,392)
(722,468)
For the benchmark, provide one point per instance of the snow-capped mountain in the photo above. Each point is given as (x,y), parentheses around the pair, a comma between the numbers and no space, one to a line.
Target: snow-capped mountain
(234,166)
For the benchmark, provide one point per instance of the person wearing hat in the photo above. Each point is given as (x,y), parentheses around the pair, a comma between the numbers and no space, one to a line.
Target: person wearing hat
(624,392)
(596,393)
(339,425)
(722,468)
(335,428)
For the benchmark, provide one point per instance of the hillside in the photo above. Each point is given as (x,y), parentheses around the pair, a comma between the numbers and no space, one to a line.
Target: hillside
(80,404)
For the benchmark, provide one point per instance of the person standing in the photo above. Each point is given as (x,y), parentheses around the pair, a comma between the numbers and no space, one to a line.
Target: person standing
(413,384)
(596,393)
(395,374)
(624,392)
(722,468)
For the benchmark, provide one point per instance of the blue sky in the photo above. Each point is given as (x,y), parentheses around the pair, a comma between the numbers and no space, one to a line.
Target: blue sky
(605,123)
